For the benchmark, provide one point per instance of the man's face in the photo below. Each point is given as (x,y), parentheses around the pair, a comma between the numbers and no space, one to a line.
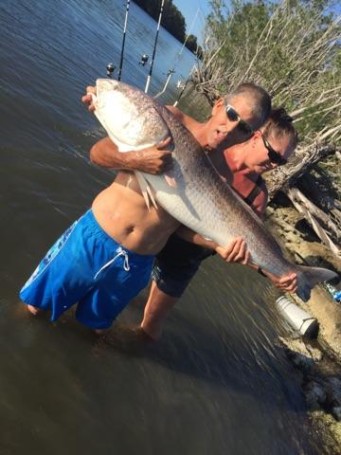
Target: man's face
(231,122)
(269,152)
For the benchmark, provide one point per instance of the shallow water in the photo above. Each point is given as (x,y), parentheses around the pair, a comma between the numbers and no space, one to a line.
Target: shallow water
(218,382)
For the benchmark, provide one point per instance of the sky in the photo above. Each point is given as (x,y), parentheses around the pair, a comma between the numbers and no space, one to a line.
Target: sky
(194,12)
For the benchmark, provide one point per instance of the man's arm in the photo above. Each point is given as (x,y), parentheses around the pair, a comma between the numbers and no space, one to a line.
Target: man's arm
(260,202)
(152,160)
(237,252)
(286,283)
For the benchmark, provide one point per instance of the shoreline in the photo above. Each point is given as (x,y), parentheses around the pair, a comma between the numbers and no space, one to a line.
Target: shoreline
(317,361)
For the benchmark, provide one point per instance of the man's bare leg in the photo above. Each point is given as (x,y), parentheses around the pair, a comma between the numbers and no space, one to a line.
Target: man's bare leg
(157,308)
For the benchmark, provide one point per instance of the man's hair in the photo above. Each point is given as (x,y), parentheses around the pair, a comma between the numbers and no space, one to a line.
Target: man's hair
(261,101)
(279,124)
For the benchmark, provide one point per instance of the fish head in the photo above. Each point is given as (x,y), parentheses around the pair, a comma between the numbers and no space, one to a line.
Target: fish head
(130,117)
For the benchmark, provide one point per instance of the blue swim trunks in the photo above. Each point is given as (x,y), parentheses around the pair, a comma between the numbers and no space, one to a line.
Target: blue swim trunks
(88,267)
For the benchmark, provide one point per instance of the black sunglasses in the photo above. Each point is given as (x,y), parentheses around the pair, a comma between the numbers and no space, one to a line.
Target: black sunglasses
(233,115)
(274,157)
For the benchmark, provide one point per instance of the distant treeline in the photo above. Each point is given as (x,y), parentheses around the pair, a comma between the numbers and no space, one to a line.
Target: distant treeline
(172,20)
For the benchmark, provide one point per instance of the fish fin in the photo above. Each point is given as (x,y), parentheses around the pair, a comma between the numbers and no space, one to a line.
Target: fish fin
(143,186)
(146,191)
(170,181)
(151,196)
(308,277)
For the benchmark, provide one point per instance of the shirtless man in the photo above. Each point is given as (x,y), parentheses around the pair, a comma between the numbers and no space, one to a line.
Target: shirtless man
(241,166)
(105,258)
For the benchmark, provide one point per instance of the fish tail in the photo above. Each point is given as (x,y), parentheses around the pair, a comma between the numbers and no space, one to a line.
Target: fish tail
(308,277)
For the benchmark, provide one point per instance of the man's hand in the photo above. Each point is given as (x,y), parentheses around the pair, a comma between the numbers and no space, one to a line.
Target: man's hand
(87,98)
(154,160)
(286,283)
(236,251)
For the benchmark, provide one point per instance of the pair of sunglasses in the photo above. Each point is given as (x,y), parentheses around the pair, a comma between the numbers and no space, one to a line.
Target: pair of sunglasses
(274,157)
(233,115)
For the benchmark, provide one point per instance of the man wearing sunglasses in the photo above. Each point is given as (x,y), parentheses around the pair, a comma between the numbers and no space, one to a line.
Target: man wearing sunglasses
(268,147)
(241,165)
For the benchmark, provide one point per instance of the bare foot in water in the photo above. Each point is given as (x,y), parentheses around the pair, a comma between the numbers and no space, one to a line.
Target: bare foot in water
(33,310)
(126,338)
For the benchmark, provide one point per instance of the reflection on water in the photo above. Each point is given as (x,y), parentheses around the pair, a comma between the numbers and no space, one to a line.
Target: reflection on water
(217,382)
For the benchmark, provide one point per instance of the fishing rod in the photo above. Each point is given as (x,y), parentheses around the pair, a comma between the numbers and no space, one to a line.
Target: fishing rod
(154,50)
(172,70)
(182,87)
(169,75)
(123,40)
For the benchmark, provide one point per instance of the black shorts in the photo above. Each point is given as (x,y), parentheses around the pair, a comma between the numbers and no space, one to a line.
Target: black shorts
(173,281)
(176,265)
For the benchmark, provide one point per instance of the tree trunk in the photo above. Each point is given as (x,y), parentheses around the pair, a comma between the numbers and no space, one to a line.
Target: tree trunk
(318,204)
(319,220)
(303,160)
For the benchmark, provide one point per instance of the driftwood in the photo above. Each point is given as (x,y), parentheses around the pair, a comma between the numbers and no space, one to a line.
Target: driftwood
(304,158)
(324,214)
(316,218)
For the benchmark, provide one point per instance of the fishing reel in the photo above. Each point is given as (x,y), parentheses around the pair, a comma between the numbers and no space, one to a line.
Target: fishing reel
(110,69)
(144,59)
